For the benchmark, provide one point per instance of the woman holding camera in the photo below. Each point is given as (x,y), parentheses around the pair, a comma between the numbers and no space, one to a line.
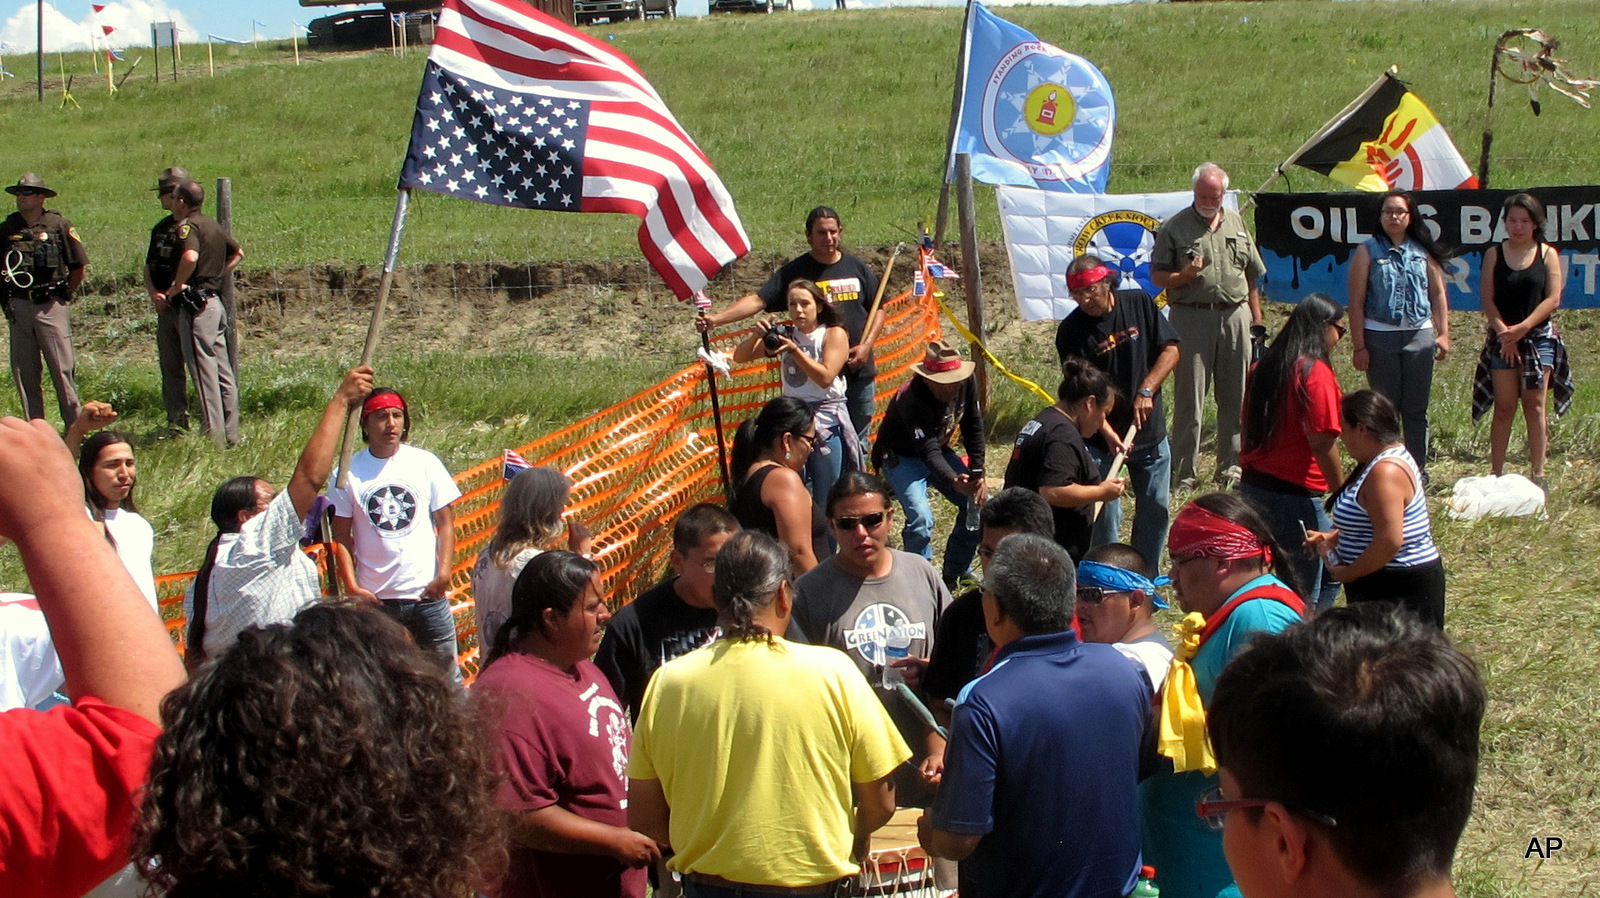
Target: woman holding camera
(769,452)
(812,352)
(1399,322)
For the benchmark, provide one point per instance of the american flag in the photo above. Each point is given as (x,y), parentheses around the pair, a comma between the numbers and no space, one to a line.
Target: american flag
(512,463)
(519,110)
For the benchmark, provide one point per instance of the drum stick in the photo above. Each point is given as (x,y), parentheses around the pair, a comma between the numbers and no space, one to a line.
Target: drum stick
(1116,465)
(916,705)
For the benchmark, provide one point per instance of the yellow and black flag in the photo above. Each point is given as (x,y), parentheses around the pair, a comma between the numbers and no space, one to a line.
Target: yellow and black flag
(1388,138)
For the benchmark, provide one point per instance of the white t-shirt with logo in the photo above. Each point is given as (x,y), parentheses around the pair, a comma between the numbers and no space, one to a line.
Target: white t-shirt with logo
(136,544)
(390,503)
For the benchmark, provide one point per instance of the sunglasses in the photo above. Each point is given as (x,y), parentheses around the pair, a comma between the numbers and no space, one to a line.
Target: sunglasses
(868,521)
(1214,809)
(29,191)
(1094,595)
(810,438)
(1338,327)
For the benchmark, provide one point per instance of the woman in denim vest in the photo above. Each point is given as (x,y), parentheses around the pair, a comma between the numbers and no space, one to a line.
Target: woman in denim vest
(1399,322)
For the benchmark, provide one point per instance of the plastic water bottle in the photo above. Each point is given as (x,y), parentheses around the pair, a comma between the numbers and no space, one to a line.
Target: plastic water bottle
(897,647)
(974,508)
(1147,887)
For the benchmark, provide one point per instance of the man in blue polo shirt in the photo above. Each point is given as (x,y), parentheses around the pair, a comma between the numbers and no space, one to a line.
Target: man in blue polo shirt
(1055,814)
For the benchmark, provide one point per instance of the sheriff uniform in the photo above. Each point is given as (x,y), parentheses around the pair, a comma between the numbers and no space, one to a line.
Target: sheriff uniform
(42,263)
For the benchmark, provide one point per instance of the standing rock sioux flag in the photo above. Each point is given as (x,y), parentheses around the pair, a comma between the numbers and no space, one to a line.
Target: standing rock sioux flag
(519,110)
(1031,114)
(1387,139)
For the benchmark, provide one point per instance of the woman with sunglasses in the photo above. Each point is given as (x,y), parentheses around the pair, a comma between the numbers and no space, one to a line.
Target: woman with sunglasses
(1226,572)
(1399,321)
(769,452)
(1382,549)
(1290,439)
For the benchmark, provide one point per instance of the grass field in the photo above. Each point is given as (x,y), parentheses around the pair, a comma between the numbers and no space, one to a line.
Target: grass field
(850,109)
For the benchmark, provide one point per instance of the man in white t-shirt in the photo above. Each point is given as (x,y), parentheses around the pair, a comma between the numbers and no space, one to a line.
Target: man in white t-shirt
(395,520)
(1115,605)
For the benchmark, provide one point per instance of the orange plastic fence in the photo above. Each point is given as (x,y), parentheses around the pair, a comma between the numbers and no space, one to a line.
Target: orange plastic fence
(634,467)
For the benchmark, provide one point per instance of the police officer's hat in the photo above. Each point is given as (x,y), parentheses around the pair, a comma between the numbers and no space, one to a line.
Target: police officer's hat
(30,181)
(172,177)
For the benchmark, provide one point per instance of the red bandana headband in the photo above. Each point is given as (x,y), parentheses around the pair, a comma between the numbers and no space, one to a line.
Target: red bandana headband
(1080,279)
(381,401)
(937,365)
(1197,531)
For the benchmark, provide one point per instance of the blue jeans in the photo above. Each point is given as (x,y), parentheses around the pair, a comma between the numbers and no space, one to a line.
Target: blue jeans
(1149,471)
(822,469)
(432,626)
(1286,514)
(910,478)
(860,398)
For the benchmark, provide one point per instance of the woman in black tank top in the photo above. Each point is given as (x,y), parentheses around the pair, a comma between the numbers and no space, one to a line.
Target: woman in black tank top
(1521,288)
(769,452)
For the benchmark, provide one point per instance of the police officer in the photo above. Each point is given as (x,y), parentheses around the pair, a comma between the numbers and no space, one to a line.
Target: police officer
(162,261)
(43,265)
(189,255)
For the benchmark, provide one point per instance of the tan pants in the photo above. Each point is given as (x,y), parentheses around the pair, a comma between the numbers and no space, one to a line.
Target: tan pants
(43,331)
(1214,349)
(195,341)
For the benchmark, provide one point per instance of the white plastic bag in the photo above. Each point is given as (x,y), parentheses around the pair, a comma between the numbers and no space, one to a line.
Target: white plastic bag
(1506,496)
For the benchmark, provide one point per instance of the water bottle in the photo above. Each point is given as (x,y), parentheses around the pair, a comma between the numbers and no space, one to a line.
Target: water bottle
(897,647)
(1147,887)
(974,509)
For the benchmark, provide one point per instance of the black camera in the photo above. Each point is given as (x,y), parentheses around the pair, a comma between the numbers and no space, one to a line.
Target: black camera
(777,333)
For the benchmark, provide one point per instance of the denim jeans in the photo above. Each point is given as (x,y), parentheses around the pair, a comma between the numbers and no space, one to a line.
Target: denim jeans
(1401,368)
(860,399)
(823,468)
(1149,474)
(1286,514)
(910,478)
(432,626)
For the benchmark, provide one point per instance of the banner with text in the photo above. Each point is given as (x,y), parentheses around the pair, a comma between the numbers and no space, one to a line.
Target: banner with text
(1306,239)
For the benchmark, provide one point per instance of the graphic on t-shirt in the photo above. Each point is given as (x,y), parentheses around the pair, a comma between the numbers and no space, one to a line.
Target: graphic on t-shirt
(793,377)
(391,508)
(616,727)
(1112,341)
(874,625)
(680,644)
(847,289)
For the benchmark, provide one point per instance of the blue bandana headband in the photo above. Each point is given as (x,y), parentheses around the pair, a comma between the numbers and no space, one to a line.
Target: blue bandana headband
(1116,579)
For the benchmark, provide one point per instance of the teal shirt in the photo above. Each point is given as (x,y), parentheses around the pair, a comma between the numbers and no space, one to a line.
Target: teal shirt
(1186,853)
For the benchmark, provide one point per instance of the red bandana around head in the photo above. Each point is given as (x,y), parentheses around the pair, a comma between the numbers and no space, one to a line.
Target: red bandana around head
(1197,531)
(381,401)
(1080,279)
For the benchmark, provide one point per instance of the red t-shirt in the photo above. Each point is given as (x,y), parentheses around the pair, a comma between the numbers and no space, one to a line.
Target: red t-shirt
(560,740)
(68,786)
(1287,454)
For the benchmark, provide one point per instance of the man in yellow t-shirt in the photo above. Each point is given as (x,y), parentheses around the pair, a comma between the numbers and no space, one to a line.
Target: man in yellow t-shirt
(761,762)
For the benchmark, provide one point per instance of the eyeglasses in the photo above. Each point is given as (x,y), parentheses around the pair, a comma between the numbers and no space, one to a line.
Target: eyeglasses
(868,521)
(1094,595)
(810,438)
(709,567)
(1180,562)
(1396,213)
(1214,809)
(167,191)
(1338,327)
(29,191)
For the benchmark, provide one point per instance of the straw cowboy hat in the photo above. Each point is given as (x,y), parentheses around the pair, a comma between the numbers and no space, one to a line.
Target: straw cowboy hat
(943,365)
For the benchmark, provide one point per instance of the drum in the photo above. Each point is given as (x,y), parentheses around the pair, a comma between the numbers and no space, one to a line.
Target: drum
(896,864)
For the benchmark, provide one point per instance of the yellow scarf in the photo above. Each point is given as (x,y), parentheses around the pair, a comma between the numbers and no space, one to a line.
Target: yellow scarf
(1182,719)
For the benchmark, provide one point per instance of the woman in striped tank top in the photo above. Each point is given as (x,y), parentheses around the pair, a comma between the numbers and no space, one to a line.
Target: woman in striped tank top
(1381,547)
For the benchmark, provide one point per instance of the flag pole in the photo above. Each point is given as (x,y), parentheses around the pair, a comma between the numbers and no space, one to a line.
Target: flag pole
(716,419)
(353,422)
(1332,123)
(957,97)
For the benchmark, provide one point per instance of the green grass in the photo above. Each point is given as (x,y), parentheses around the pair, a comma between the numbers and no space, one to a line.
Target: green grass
(845,108)
(848,109)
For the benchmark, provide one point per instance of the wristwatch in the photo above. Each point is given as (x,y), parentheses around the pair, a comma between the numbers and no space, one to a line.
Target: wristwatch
(1147,393)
